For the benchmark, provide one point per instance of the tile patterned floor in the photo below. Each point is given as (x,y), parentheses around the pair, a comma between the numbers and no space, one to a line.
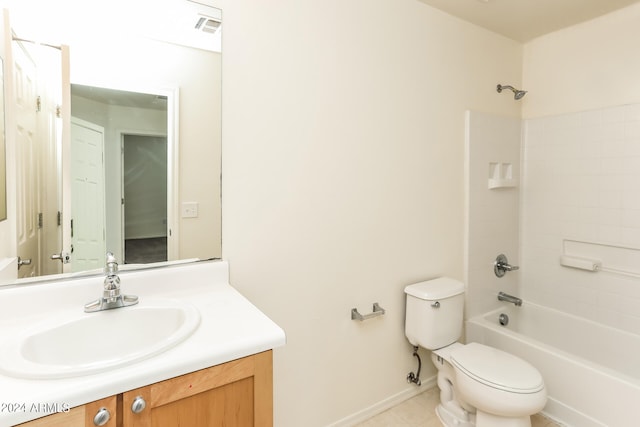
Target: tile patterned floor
(419,411)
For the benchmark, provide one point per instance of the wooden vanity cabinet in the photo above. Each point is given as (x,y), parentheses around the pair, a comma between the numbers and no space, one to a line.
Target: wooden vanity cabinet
(80,416)
(238,393)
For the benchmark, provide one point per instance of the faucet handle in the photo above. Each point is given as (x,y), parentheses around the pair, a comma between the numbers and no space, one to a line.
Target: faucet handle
(509,267)
(112,265)
(501,266)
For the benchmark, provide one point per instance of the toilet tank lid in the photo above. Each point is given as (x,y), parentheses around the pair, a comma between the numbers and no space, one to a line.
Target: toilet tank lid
(442,287)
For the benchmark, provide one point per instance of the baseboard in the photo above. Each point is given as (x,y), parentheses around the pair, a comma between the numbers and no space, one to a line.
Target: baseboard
(567,416)
(556,411)
(385,404)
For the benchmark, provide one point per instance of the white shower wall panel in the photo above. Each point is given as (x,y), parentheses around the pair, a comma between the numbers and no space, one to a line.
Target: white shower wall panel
(492,222)
(581,181)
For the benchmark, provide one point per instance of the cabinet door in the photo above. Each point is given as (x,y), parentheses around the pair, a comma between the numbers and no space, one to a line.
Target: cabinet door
(238,393)
(80,416)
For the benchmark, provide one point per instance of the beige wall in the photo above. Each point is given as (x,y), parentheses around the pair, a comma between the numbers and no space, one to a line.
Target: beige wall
(591,65)
(343,154)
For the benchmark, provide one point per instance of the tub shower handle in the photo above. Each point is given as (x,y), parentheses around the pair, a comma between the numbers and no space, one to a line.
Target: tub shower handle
(501,266)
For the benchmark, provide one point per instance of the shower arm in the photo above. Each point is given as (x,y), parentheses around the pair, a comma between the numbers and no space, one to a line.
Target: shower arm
(517,94)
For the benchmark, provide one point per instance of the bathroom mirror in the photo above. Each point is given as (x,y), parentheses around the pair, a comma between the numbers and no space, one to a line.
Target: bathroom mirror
(145,82)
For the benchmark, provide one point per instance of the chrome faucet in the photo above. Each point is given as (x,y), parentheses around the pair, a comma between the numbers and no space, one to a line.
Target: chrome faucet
(111,297)
(509,298)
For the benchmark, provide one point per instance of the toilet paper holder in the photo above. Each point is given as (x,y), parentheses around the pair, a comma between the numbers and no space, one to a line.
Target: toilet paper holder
(377,311)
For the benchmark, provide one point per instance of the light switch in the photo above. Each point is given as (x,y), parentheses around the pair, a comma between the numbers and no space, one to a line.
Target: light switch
(190,210)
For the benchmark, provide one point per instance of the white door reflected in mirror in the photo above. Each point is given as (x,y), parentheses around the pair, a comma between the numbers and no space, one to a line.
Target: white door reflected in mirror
(87,225)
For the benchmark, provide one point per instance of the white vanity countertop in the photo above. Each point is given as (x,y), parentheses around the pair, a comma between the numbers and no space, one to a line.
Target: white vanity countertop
(230,328)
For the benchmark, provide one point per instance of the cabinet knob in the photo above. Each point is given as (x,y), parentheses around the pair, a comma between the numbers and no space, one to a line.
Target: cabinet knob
(138,405)
(102,417)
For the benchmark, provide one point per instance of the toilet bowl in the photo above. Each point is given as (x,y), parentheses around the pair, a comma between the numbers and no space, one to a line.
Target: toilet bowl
(504,389)
(479,385)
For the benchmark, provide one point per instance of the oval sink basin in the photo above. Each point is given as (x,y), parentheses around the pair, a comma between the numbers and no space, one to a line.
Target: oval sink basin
(86,343)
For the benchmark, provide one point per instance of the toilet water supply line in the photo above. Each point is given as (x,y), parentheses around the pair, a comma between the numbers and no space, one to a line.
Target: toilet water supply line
(415,378)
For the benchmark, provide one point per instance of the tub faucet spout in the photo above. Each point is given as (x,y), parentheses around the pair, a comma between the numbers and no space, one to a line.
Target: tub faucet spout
(509,298)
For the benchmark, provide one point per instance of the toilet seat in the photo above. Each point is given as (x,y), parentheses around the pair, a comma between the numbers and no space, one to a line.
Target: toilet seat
(497,369)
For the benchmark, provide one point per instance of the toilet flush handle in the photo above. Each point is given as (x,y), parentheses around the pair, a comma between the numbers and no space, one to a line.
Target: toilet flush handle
(436,304)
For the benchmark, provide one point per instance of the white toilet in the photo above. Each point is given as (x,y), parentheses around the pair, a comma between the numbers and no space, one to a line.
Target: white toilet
(479,385)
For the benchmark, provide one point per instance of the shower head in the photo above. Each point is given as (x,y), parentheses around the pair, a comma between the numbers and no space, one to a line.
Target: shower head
(517,94)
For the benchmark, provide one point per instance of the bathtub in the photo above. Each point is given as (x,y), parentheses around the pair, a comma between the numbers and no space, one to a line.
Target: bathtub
(592,371)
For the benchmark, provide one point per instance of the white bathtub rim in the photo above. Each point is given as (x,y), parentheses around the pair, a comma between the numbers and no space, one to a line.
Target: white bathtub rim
(562,313)
(482,321)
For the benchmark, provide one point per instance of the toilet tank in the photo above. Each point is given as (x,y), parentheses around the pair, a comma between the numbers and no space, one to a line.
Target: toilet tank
(434,312)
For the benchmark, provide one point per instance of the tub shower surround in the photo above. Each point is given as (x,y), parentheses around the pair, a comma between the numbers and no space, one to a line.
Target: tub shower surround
(582,198)
(579,200)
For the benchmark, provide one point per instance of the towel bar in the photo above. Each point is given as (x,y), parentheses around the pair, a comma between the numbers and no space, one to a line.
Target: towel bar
(377,311)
